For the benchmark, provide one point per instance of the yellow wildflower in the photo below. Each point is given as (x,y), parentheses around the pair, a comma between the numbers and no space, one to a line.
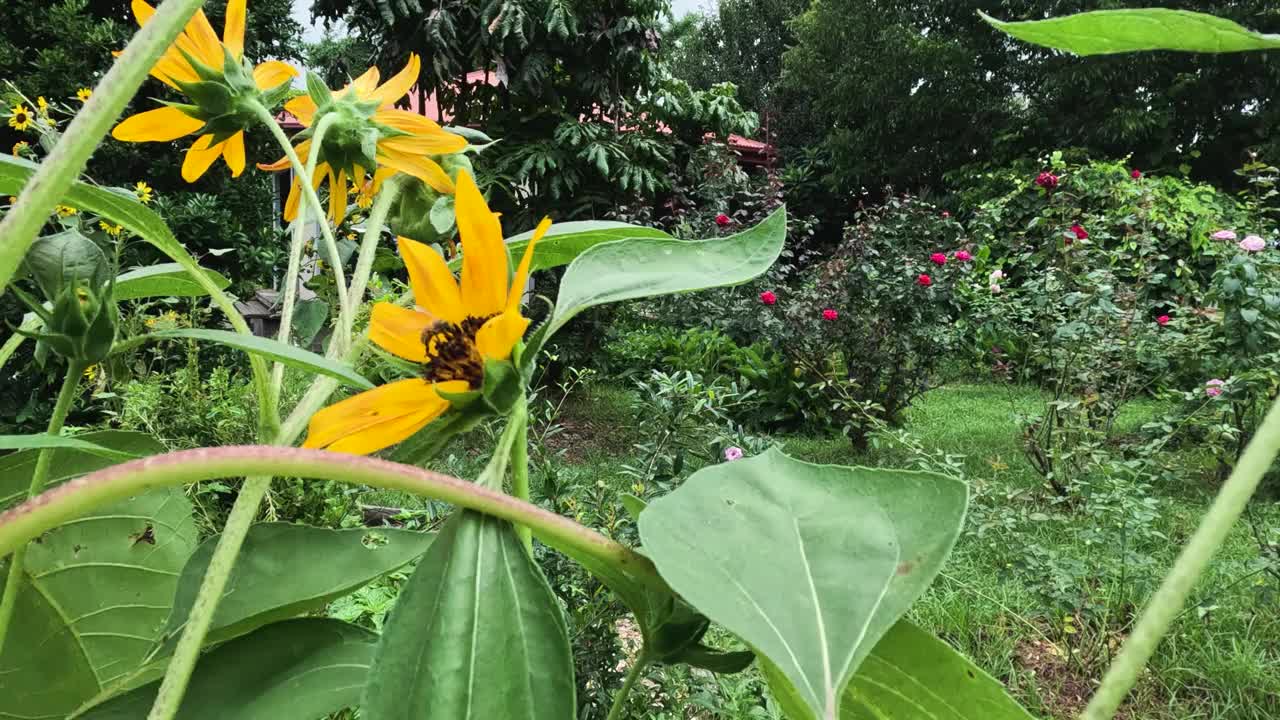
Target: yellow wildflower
(91,372)
(112,230)
(42,105)
(66,211)
(200,44)
(20,117)
(143,191)
(21,147)
(460,326)
(83,94)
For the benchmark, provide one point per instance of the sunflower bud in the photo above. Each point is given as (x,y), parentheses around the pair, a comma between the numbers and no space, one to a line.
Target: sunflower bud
(74,276)
(423,213)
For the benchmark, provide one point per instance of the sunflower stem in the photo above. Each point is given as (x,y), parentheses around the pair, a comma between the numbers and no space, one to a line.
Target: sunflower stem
(520,470)
(1167,602)
(313,201)
(67,395)
(369,245)
(293,274)
(67,160)
(70,500)
(633,675)
(187,652)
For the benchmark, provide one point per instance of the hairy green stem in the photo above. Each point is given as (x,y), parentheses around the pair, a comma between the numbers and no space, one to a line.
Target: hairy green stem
(313,200)
(495,472)
(76,497)
(64,164)
(297,238)
(1169,599)
(520,473)
(633,674)
(187,651)
(369,245)
(67,395)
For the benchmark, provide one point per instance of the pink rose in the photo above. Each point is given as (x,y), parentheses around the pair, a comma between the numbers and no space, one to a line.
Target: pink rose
(768,298)
(723,220)
(1162,320)
(963,256)
(938,259)
(1252,243)
(1047,180)
(1224,235)
(1136,174)
(924,280)
(830,314)
(1213,388)
(1079,232)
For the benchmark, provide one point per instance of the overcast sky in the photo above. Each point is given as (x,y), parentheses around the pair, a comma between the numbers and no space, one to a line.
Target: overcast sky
(302,13)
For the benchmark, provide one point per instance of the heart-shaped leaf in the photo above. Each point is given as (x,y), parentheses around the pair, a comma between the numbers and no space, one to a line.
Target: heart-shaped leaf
(1118,31)
(95,594)
(650,266)
(476,633)
(293,670)
(809,564)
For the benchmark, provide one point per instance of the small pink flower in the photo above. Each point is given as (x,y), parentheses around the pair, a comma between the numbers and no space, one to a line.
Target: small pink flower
(1047,180)
(1079,231)
(1136,174)
(963,256)
(1213,388)
(1224,235)
(722,220)
(1252,243)
(768,298)
(945,214)
(995,289)
(938,259)
(732,453)
(996,276)
(924,280)
(1162,320)
(830,314)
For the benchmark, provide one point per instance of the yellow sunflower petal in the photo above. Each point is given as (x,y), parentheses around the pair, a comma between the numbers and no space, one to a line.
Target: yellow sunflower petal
(142,12)
(484,254)
(303,108)
(337,196)
(303,149)
(522,272)
(433,285)
(201,155)
(233,29)
(208,47)
(272,74)
(379,418)
(291,202)
(426,135)
(365,84)
(399,331)
(421,167)
(233,152)
(172,68)
(159,125)
(499,334)
(395,88)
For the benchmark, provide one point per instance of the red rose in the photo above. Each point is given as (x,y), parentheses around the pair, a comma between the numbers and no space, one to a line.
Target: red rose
(768,298)
(830,314)
(722,220)
(1136,174)
(938,259)
(924,280)
(1047,180)
(1079,232)
(963,256)
(1162,320)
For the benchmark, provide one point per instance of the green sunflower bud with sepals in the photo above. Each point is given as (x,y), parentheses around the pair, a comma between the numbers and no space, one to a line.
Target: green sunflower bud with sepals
(76,279)
(423,214)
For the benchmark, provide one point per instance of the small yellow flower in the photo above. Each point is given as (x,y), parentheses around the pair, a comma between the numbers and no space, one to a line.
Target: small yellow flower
(20,147)
(351,236)
(20,117)
(42,105)
(112,230)
(91,373)
(66,211)
(462,325)
(83,94)
(143,191)
(48,121)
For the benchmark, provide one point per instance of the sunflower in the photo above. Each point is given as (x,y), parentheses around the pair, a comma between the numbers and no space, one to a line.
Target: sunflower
(198,43)
(21,148)
(20,117)
(65,210)
(458,328)
(42,105)
(143,191)
(404,140)
(83,94)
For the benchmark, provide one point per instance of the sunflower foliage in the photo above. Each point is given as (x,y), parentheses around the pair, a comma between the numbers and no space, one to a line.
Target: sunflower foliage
(113,606)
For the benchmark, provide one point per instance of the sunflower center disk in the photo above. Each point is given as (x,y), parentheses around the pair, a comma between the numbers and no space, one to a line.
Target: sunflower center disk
(452,353)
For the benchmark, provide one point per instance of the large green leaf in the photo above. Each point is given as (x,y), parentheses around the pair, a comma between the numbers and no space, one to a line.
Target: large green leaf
(285,570)
(69,462)
(94,597)
(1118,31)
(911,673)
(645,267)
(809,564)
(565,241)
(300,669)
(272,349)
(163,280)
(476,633)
